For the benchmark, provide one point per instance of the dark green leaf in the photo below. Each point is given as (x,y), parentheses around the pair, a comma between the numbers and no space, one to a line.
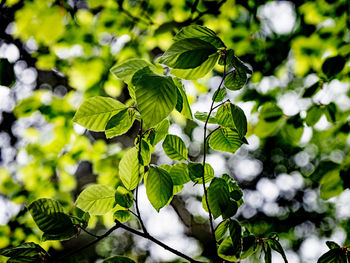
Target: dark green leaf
(221,230)
(187,53)
(80,217)
(236,236)
(232,116)
(7,74)
(333,65)
(159,187)
(331,244)
(335,255)
(227,250)
(268,255)
(270,112)
(331,111)
(29,249)
(313,115)
(122,216)
(275,245)
(123,197)
(196,171)
(235,80)
(249,246)
(310,91)
(49,216)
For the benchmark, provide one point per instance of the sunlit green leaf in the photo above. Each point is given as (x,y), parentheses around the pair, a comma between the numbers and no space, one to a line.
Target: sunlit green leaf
(129,169)
(187,53)
(235,80)
(145,153)
(221,230)
(94,113)
(159,187)
(202,116)
(120,123)
(175,148)
(196,171)
(200,32)
(232,116)
(155,98)
(179,174)
(122,216)
(128,68)
(225,140)
(96,199)
(219,95)
(182,104)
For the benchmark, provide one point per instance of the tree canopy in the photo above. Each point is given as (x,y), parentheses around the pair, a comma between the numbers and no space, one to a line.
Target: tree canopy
(163,131)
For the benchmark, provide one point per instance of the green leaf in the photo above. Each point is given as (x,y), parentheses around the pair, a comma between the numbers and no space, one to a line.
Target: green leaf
(120,123)
(236,236)
(221,230)
(202,116)
(145,153)
(123,197)
(159,132)
(219,95)
(80,217)
(333,66)
(94,113)
(313,115)
(49,216)
(219,199)
(331,111)
(182,104)
(187,53)
(175,148)
(235,80)
(118,259)
(199,32)
(331,244)
(270,112)
(198,72)
(249,246)
(234,61)
(235,191)
(129,169)
(227,250)
(196,171)
(225,140)
(179,174)
(159,187)
(29,249)
(128,68)
(268,255)
(96,199)
(335,255)
(331,184)
(275,245)
(155,98)
(232,116)
(122,216)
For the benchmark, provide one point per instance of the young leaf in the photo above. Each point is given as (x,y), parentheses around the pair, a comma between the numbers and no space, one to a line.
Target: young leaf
(159,187)
(128,68)
(187,53)
(200,32)
(96,199)
(225,140)
(198,72)
(120,123)
(49,216)
(159,132)
(94,113)
(232,116)
(219,95)
(175,148)
(118,259)
(145,154)
(155,98)
(179,174)
(123,197)
(129,169)
(235,80)
(236,236)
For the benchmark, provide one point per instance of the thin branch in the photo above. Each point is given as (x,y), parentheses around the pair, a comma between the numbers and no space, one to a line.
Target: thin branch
(151,238)
(88,244)
(205,153)
(222,103)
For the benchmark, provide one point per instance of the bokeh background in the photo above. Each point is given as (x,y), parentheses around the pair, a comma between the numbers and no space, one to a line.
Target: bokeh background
(294,172)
